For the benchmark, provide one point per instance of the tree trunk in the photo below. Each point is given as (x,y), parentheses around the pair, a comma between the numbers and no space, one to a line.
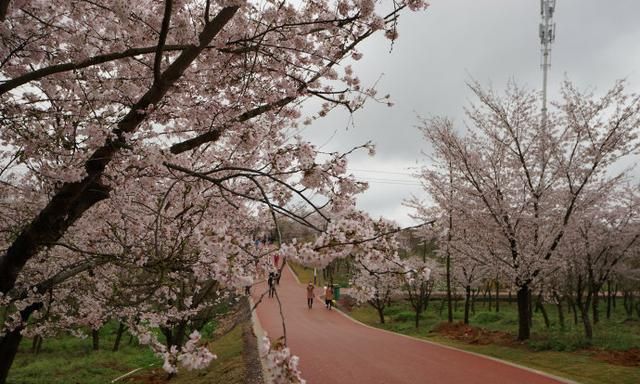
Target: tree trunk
(595,305)
(545,316)
(609,301)
(524,309)
(490,298)
(572,305)
(586,322)
(34,343)
(116,344)
(39,345)
(8,349)
(467,303)
(474,294)
(530,302)
(95,336)
(381,314)
(448,266)
(10,342)
(628,303)
(558,299)
(497,296)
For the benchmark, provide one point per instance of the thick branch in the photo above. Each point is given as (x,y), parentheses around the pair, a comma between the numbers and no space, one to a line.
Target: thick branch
(166,21)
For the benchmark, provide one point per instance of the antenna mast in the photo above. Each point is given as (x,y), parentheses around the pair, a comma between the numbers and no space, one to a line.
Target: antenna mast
(547,36)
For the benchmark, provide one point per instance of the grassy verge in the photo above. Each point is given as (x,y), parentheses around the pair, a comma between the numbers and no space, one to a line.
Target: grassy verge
(305,275)
(67,359)
(556,351)
(228,368)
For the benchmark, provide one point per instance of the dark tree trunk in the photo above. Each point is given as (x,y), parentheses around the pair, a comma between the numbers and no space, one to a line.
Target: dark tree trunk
(584,305)
(545,316)
(558,299)
(586,322)
(34,343)
(39,346)
(490,298)
(467,303)
(116,344)
(628,303)
(95,337)
(530,302)
(524,312)
(572,305)
(8,349)
(497,296)
(609,300)
(10,342)
(595,305)
(474,295)
(380,314)
(455,303)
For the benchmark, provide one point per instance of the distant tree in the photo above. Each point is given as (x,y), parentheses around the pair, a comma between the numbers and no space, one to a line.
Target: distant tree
(528,178)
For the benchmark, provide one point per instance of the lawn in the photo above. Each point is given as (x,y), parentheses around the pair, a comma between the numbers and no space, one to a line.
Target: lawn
(305,275)
(560,352)
(68,359)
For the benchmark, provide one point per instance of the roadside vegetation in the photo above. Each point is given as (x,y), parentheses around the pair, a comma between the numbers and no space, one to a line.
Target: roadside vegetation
(71,359)
(612,356)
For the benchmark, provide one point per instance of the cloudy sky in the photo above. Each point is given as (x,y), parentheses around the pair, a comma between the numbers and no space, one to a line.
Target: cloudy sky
(454,41)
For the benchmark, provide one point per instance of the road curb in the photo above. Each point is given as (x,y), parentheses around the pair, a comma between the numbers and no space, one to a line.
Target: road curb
(258,331)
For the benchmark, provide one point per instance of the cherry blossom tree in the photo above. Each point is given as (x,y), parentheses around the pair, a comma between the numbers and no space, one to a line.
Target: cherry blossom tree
(418,282)
(530,179)
(96,97)
(605,235)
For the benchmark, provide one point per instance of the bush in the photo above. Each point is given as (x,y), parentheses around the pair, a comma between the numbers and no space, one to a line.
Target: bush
(406,316)
(392,311)
(487,317)
(208,329)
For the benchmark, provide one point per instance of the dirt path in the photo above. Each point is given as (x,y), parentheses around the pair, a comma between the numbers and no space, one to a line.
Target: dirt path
(334,349)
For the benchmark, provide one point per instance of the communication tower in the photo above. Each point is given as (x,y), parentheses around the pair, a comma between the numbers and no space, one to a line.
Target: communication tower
(547,36)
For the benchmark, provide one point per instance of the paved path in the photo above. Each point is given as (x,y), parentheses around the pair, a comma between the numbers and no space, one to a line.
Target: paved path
(334,349)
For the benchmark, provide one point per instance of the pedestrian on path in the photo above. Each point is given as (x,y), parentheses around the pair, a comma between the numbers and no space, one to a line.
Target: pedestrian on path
(310,295)
(271,282)
(328,296)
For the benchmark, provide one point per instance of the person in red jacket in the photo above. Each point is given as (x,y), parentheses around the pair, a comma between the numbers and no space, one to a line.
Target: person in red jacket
(310,295)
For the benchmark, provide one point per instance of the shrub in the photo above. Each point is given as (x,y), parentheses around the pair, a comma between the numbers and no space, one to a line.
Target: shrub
(487,317)
(406,316)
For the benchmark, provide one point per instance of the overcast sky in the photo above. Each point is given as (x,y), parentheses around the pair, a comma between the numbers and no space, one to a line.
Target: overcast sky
(452,42)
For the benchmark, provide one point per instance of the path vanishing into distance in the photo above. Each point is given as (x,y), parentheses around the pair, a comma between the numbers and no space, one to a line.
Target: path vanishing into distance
(334,349)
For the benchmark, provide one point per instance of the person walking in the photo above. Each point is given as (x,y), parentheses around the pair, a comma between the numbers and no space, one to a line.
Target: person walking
(271,282)
(328,296)
(310,295)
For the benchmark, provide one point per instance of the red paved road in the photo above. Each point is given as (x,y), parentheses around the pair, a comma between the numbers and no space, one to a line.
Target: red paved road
(334,350)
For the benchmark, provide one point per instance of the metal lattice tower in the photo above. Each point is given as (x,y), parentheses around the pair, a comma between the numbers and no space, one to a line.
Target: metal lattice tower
(547,36)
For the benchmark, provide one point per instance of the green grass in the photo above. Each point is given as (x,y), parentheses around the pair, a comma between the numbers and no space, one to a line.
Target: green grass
(305,275)
(228,368)
(67,359)
(556,351)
